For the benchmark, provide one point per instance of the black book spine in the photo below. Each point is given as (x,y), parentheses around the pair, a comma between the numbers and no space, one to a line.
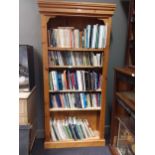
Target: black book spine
(76,132)
(55,132)
(71,127)
(77,101)
(58,100)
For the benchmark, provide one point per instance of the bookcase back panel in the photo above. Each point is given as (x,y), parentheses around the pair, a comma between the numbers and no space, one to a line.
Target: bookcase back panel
(79,23)
(92,117)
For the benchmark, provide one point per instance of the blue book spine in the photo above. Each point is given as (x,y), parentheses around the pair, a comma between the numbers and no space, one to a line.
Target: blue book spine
(76,132)
(58,100)
(76,82)
(84,100)
(59,81)
(72,131)
(56,77)
(51,101)
(67,100)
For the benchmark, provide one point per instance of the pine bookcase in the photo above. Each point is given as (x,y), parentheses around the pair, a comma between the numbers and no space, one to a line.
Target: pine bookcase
(76,14)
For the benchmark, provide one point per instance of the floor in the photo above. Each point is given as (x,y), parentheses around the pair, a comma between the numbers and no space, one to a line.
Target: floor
(39,150)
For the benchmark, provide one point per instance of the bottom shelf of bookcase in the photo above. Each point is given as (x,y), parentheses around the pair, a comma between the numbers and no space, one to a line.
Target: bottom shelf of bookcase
(77,143)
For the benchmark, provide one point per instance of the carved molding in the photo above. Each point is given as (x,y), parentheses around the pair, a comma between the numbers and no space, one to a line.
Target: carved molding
(61,8)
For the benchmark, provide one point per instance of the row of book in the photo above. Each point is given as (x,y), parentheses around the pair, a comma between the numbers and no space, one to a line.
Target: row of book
(74,80)
(93,36)
(75,100)
(75,58)
(71,129)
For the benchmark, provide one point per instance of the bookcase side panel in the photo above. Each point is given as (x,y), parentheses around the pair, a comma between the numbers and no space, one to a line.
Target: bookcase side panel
(104,78)
(45,76)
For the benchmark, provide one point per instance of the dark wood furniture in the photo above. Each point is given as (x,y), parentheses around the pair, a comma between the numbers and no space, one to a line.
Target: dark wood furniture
(123,107)
(78,15)
(130,51)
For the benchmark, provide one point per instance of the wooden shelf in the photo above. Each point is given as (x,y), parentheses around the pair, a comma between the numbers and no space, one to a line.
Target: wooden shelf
(76,49)
(128,98)
(74,109)
(130,71)
(75,91)
(77,143)
(75,67)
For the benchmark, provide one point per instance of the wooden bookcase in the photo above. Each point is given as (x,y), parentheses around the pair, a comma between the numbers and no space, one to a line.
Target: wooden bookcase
(78,15)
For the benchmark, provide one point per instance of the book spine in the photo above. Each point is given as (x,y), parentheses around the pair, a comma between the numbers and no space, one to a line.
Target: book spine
(53,136)
(105,36)
(101,36)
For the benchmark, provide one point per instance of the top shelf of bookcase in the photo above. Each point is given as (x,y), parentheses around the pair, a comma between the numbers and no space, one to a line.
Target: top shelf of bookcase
(76,49)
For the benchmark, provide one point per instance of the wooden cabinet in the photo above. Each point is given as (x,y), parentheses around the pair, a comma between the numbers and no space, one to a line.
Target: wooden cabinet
(123,111)
(78,15)
(28,114)
(130,52)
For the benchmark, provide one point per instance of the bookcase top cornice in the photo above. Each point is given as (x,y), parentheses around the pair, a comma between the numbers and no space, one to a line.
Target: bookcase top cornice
(64,8)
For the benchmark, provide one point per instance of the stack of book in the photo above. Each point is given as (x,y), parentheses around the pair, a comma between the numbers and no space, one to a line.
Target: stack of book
(74,80)
(71,129)
(75,100)
(64,37)
(93,36)
(75,58)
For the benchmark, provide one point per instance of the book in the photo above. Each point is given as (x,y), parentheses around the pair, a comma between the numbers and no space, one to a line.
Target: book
(94,35)
(101,36)
(53,135)
(76,38)
(105,38)
(71,128)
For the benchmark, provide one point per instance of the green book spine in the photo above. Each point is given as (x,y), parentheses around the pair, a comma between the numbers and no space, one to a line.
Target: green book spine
(97,38)
(79,131)
(68,132)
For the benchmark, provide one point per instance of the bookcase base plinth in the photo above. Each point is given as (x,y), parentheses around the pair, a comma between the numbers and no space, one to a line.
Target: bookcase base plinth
(71,144)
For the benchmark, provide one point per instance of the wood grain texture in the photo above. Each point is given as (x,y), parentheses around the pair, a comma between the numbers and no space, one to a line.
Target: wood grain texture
(75,14)
(45,76)
(72,144)
(123,98)
(75,109)
(75,49)
(104,79)
(76,8)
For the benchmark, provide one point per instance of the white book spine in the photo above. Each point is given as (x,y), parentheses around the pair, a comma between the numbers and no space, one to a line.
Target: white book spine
(94,36)
(94,100)
(79,79)
(89,31)
(84,129)
(81,98)
(52,132)
(56,129)
(105,36)
(51,81)
(54,80)
(60,130)
(101,36)
(77,38)
(61,38)
(87,128)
